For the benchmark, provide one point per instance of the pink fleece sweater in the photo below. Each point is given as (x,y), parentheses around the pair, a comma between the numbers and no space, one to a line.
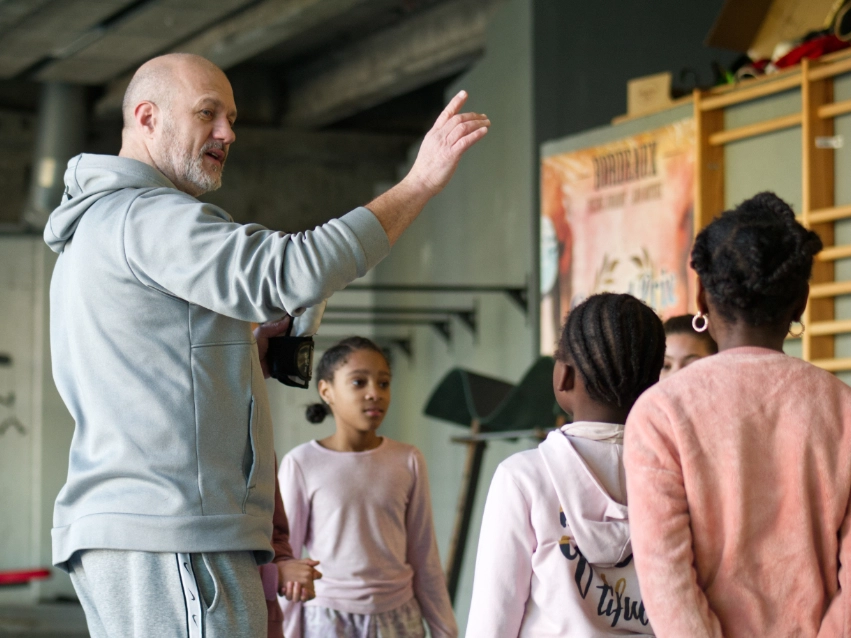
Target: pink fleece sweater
(366,516)
(738,478)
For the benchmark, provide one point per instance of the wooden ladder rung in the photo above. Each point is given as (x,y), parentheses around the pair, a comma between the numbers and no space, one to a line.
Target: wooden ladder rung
(832,253)
(762,87)
(833,365)
(821,328)
(829,214)
(830,70)
(831,289)
(832,110)
(752,130)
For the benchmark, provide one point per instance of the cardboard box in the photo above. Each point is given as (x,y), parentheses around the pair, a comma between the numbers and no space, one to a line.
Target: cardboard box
(648,94)
(756,26)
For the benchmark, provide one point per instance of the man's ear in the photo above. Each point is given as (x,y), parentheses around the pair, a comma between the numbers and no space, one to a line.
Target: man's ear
(566,380)
(702,306)
(146,115)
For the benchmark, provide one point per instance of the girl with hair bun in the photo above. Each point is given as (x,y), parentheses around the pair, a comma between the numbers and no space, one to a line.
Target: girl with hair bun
(739,466)
(359,503)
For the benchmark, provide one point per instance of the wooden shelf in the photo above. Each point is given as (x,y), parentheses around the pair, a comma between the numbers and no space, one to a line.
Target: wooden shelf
(815,82)
(822,71)
(769,85)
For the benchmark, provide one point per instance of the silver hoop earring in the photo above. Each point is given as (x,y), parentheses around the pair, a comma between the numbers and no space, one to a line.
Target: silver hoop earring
(703,326)
(797,335)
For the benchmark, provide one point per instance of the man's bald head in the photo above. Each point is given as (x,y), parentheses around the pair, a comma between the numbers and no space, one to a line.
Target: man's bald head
(179,114)
(160,79)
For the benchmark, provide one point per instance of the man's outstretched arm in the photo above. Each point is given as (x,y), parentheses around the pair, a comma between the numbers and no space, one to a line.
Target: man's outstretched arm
(452,134)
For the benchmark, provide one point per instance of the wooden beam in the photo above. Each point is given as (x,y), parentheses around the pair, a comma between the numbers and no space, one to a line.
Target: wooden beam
(709,185)
(817,191)
(753,130)
(54,28)
(425,48)
(833,365)
(12,12)
(274,22)
(753,89)
(257,29)
(148,30)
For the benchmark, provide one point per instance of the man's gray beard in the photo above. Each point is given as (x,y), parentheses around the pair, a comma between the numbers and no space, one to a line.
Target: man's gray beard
(187,169)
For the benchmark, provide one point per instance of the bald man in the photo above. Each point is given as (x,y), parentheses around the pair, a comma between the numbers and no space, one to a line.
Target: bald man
(167,508)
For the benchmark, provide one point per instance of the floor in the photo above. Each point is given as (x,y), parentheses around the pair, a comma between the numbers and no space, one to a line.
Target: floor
(48,620)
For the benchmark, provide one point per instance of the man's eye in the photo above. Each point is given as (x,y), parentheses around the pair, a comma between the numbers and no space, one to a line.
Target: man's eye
(207,113)
(384,384)
(357,382)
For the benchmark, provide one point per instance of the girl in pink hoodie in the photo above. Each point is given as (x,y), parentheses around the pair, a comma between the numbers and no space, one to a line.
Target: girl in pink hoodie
(554,557)
(739,466)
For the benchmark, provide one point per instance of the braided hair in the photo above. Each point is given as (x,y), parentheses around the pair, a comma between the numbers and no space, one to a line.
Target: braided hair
(755,261)
(682,325)
(617,344)
(331,360)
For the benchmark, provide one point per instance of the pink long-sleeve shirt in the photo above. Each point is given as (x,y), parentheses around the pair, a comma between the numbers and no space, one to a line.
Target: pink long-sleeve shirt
(738,479)
(366,516)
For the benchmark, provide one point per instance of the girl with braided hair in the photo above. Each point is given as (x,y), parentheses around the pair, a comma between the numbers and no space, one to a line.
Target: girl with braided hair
(554,556)
(360,504)
(739,466)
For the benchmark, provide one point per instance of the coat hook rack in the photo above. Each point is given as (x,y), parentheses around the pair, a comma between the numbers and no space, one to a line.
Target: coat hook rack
(518,294)
(443,326)
(403,343)
(467,316)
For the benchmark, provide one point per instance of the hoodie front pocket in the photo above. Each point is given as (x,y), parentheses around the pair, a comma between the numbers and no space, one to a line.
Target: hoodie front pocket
(250,461)
(225,413)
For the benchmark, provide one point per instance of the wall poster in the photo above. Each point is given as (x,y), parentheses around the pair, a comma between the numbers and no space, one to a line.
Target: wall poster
(618,218)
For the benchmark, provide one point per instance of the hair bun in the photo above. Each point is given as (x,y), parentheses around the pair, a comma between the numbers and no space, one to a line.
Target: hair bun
(316,412)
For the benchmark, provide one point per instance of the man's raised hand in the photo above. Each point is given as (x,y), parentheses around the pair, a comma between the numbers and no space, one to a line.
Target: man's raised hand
(441,150)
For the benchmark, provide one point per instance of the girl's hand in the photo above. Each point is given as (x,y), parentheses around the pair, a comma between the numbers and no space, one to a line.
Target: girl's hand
(295,579)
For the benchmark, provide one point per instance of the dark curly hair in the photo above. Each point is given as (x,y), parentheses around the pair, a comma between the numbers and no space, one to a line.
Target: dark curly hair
(617,344)
(682,325)
(331,360)
(755,261)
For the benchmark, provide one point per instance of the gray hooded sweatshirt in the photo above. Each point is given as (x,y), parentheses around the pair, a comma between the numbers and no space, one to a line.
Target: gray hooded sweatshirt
(154,356)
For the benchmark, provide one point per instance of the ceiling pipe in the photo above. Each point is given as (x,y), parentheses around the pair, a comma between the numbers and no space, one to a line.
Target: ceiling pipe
(59,137)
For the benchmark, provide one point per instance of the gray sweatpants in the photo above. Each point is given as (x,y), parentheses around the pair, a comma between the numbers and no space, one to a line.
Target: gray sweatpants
(156,595)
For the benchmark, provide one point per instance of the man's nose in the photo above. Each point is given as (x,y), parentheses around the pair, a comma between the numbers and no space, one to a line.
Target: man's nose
(224,133)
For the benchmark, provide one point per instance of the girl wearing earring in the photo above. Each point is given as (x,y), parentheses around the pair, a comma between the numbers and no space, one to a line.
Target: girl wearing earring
(739,467)
(686,340)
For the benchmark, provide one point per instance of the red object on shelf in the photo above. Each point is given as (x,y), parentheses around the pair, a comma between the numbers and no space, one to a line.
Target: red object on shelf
(812,49)
(22,577)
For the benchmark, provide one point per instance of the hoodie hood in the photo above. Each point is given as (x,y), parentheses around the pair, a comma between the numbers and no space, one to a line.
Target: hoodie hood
(90,178)
(599,524)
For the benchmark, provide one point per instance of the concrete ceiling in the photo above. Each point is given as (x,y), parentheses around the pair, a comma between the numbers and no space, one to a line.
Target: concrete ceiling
(306,64)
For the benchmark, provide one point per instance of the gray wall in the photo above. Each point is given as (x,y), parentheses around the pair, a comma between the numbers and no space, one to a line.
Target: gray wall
(477,231)
(586,51)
